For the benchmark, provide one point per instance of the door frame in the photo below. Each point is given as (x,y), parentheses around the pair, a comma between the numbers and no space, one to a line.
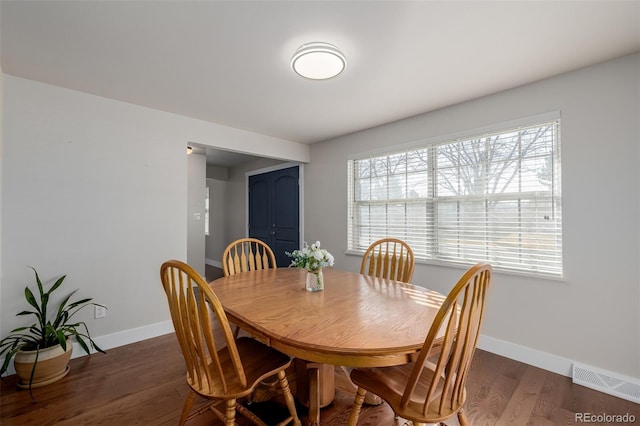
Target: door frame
(274,168)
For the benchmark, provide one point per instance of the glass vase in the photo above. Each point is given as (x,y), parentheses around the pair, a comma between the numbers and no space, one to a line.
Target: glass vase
(315,281)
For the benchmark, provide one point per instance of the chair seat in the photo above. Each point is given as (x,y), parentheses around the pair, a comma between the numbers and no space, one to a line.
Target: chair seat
(259,361)
(390,384)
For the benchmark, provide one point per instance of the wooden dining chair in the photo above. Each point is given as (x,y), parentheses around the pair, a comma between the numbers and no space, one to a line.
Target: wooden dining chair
(247,254)
(389,258)
(219,368)
(431,392)
(386,258)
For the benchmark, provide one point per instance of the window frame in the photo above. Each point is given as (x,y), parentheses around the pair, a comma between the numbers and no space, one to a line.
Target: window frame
(553,234)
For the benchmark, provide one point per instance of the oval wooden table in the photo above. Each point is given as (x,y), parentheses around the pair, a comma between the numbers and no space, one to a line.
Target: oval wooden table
(357,320)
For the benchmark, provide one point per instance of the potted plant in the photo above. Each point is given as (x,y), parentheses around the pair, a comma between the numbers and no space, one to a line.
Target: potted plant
(42,350)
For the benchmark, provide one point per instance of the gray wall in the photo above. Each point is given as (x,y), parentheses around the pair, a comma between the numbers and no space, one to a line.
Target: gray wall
(97,189)
(217,178)
(1,156)
(94,189)
(196,184)
(593,314)
(216,240)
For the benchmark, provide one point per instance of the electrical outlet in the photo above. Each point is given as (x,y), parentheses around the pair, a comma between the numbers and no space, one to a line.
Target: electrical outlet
(99,312)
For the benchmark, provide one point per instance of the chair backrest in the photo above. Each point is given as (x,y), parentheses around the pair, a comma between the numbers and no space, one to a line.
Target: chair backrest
(194,308)
(460,317)
(389,258)
(247,254)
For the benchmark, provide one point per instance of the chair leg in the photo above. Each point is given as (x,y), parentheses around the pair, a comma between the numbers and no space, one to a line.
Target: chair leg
(288,397)
(230,415)
(344,383)
(186,408)
(357,405)
(462,418)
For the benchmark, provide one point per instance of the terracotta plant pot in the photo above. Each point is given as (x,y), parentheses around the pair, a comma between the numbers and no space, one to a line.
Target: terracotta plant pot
(53,365)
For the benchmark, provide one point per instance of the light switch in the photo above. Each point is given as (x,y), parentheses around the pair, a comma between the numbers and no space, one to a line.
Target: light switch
(196,216)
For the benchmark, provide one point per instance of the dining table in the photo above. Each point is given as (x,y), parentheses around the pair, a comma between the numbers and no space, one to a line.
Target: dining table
(357,320)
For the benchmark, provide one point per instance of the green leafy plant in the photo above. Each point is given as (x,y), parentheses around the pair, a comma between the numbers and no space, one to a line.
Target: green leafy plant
(46,333)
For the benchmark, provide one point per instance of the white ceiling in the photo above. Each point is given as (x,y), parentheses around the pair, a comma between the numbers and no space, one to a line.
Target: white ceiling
(228,61)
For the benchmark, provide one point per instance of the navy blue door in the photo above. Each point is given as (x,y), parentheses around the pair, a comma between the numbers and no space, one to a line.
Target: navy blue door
(274,211)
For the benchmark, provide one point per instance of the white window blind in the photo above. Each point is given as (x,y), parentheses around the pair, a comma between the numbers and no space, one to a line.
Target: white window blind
(492,198)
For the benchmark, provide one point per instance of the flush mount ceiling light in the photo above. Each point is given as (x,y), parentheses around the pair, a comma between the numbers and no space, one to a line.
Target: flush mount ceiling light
(318,61)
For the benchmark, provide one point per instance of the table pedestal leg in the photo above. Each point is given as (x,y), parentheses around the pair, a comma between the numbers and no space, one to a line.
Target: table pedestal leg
(315,384)
(314,395)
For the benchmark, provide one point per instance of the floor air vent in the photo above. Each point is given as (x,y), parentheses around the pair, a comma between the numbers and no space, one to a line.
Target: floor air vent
(607,382)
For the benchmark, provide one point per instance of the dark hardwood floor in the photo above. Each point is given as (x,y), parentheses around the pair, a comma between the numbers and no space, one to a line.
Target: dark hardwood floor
(211,272)
(144,384)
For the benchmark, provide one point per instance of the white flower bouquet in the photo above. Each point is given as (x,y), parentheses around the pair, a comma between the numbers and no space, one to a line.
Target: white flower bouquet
(312,258)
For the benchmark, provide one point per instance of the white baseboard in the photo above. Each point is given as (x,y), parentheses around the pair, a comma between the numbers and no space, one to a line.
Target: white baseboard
(544,360)
(126,337)
(110,341)
(212,262)
(604,381)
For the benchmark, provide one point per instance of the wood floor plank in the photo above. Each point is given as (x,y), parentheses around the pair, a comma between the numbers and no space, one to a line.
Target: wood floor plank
(547,410)
(523,399)
(144,384)
(494,382)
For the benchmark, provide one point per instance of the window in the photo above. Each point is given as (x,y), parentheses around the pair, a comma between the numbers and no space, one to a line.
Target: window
(206,211)
(492,197)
